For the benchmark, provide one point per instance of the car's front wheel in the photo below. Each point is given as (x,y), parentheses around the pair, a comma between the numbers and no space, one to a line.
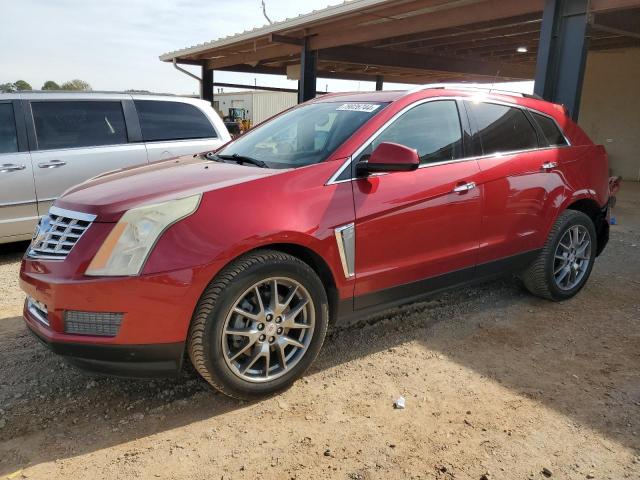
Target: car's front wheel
(259,325)
(565,263)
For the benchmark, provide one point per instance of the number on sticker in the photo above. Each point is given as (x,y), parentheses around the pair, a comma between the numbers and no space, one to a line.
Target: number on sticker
(359,107)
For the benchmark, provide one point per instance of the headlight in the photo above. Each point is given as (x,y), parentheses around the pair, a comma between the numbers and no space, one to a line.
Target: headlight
(127,247)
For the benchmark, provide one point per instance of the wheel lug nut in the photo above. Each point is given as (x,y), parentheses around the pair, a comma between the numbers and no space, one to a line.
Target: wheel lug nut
(278,319)
(279,331)
(260,326)
(269,317)
(272,339)
(262,338)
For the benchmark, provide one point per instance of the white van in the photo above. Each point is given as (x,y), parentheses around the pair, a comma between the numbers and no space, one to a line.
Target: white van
(50,141)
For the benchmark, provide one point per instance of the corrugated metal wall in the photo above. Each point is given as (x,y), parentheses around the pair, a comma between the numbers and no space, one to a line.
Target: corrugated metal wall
(267,104)
(260,105)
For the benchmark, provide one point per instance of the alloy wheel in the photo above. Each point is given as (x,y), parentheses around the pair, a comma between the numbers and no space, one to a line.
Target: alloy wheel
(268,329)
(572,257)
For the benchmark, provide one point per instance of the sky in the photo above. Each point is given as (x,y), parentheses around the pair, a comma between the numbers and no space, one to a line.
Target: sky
(115,44)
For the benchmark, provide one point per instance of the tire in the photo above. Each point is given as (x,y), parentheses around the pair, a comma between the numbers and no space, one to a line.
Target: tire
(246,286)
(541,277)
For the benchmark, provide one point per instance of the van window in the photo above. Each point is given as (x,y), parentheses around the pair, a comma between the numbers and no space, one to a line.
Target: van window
(165,120)
(83,123)
(432,128)
(8,137)
(551,131)
(502,128)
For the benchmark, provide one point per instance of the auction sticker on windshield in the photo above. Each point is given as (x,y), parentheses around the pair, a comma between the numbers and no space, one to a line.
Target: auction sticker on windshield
(359,107)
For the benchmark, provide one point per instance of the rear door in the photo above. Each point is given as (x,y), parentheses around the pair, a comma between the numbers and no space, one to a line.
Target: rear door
(18,205)
(171,128)
(521,182)
(76,140)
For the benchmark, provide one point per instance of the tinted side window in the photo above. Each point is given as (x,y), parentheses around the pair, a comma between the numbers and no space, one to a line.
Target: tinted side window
(8,137)
(550,129)
(502,128)
(432,128)
(162,120)
(69,124)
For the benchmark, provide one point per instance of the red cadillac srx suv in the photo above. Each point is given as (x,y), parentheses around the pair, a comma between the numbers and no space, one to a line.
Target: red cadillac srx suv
(339,207)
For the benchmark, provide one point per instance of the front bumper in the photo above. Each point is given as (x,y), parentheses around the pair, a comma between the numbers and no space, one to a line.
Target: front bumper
(156,312)
(141,361)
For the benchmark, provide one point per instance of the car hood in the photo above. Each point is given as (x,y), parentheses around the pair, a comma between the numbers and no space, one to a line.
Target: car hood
(110,195)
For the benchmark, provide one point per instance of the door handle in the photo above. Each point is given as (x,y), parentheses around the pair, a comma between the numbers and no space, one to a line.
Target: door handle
(465,187)
(549,165)
(11,167)
(52,164)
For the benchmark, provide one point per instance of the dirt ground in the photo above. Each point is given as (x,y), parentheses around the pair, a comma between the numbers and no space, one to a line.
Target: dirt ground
(496,382)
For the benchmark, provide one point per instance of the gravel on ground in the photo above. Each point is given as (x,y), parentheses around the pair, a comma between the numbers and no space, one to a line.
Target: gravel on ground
(497,385)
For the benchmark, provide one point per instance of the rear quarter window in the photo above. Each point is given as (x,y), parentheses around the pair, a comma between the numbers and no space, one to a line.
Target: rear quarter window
(554,137)
(502,128)
(167,120)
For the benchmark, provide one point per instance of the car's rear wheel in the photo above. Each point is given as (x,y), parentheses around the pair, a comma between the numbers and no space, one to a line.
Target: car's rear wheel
(259,325)
(565,263)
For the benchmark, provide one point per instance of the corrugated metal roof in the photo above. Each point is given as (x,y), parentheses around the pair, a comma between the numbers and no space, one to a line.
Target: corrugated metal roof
(349,6)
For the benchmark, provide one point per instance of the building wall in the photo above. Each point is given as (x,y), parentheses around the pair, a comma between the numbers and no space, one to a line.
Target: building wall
(223,101)
(268,104)
(610,107)
(260,105)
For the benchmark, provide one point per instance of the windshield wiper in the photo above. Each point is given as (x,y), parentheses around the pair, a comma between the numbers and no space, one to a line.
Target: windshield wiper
(244,159)
(213,156)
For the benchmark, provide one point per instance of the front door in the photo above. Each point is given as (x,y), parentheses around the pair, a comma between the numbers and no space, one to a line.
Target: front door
(417,231)
(18,206)
(77,140)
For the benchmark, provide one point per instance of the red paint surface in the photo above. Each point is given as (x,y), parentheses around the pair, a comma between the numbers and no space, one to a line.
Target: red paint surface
(409,225)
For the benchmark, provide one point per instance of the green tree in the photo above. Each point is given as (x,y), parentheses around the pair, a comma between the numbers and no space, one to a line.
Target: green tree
(50,85)
(76,84)
(22,85)
(7,87)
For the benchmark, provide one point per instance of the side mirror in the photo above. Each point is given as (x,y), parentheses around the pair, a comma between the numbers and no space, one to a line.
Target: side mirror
(390,157)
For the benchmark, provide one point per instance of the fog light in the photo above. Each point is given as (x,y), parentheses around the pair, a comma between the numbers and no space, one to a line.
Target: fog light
(103,324)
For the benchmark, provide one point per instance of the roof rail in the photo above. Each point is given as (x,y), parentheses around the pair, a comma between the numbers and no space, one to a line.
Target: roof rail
(471,86)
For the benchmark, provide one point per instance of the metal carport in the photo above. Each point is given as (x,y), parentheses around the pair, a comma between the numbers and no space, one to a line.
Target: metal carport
(424,41)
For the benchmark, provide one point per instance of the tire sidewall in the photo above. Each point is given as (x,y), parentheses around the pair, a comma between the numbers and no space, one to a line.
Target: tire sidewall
(214,354)
(576,218)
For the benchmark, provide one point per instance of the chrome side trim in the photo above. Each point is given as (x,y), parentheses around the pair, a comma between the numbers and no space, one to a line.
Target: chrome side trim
(333,179)
(17,204)
(346,239)
(62,212)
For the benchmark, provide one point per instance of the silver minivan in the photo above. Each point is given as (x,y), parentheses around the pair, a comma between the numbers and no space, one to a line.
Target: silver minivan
(50,141)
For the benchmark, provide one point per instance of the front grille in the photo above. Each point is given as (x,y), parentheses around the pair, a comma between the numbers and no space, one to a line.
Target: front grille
(103,324)
(58,232)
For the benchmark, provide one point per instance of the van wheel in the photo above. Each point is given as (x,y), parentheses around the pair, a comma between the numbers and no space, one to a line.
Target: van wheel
(259,325)
(565,263)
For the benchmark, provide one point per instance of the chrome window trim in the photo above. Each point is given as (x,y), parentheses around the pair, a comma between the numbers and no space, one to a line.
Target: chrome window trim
(346,248)
(333,179)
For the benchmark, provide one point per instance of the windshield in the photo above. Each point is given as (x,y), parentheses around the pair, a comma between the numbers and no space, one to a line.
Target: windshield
(302,136)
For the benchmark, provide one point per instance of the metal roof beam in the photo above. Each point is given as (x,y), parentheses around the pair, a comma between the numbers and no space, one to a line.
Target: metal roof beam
(391,58)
